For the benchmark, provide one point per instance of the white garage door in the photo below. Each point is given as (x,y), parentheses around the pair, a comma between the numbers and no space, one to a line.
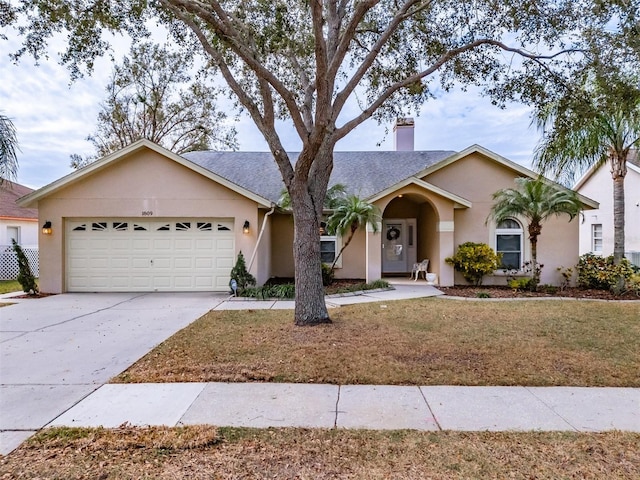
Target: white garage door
(129,255)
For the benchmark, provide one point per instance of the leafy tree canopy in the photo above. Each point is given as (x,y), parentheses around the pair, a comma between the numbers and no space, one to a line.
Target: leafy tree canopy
(304,61)
(151,95)
(8,148)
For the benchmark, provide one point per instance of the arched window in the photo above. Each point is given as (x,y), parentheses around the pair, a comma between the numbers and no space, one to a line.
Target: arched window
(509,234)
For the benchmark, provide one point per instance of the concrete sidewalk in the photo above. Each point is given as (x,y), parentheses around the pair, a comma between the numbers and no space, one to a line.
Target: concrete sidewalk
(380,407)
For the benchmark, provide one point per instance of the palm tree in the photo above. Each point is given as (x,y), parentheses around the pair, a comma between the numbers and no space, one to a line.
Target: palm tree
(352,213)
(536,200)
(595,124)
(8,147)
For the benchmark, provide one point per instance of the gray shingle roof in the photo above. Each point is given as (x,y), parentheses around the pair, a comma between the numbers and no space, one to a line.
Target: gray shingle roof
(363,173)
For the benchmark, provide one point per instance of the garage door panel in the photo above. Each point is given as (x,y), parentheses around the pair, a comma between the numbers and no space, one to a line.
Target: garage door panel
(139,255)
(224,262)
(141,244)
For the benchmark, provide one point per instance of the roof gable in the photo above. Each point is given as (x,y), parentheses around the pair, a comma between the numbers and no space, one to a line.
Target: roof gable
(105,162)
(484,152)
(458,201)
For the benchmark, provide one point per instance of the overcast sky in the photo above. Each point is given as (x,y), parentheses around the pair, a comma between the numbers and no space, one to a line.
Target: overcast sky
(54,116)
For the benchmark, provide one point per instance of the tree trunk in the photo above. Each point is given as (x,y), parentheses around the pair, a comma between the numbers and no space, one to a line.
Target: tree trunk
(307,196)
(618,172)
(618,175)
(534,231)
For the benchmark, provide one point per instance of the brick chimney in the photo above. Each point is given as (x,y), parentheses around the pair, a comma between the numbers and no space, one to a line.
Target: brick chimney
(403,135)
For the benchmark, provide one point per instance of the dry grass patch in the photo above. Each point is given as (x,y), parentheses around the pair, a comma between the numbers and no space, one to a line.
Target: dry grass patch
(206,452)
(417,342)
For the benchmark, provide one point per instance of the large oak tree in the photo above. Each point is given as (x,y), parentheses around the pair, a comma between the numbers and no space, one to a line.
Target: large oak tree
(304,61)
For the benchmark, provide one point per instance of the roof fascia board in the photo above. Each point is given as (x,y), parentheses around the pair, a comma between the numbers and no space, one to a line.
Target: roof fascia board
(94,167)
(462,202)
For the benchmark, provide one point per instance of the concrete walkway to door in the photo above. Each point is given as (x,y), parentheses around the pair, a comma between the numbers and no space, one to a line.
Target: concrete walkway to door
(55,351)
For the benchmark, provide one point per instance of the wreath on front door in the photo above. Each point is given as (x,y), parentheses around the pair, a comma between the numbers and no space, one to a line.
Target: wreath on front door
(393,233)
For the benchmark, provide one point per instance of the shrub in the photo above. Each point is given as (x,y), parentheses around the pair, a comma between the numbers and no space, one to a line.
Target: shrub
(377,284)
(518,284)
(327,275)
(633,284)
(241,275)
(474,261)
(25,277)
(567,275)
(601,273)
(282,291)
(483,295)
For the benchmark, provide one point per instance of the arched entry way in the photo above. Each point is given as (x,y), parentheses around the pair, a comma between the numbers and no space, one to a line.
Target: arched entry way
(409,234)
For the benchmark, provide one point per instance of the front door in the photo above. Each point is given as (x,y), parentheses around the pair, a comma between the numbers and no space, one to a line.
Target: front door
(398,245)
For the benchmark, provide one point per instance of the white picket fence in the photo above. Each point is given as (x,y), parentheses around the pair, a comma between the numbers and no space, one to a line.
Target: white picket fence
(9,262)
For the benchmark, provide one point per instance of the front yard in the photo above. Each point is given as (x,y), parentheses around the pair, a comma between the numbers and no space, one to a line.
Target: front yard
(416,342)
(208,453)
(419,342)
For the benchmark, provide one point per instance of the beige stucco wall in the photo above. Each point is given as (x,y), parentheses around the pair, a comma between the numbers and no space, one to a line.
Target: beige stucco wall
(353,258)
(476,178)
(144,181)
(282,245)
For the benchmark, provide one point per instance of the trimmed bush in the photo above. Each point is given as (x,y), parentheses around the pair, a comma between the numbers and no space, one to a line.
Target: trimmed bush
(601,273)
(241,275)
(474,261)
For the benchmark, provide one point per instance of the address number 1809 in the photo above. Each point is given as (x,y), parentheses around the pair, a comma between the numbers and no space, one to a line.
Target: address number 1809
(147,213)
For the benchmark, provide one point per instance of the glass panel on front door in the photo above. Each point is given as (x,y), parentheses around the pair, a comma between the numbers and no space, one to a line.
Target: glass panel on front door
(394,246)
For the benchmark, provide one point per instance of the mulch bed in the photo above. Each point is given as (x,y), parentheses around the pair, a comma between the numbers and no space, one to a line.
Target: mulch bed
(506,292)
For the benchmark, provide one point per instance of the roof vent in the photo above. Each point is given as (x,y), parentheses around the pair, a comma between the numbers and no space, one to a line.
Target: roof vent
(403,134)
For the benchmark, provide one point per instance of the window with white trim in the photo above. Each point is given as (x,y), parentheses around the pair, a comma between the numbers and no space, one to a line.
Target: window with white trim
(509,242)
(596,238)
(329,246)
(13,233)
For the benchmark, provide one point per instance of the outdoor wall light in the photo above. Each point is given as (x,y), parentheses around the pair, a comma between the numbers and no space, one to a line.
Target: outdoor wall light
(245,227)
(46,228)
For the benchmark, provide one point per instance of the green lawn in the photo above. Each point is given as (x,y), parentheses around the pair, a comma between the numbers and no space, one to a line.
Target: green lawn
(9,286)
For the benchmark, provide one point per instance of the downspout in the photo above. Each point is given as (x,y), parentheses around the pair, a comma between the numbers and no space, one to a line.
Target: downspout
(264,224)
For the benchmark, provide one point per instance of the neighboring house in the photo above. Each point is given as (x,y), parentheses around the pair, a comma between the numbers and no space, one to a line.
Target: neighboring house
(596,228)
(146,219)
(19,224)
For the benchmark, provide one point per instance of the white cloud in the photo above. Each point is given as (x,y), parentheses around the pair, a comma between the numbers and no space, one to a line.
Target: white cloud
(53,118)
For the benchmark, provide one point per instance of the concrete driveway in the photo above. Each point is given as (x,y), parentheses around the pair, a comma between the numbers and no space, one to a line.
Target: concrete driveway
(55,351)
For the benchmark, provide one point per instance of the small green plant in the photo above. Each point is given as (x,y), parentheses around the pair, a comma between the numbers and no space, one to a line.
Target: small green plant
(520,284)
(327,275)
(601,273)
(474,261)
(547,288)
(25,277)
(377,284)
(633,284)
(241,275)
(483,295)
(567,275)
(283,291)
(535,271)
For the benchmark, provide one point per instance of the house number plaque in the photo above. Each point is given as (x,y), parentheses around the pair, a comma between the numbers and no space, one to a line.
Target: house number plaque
(147,213)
